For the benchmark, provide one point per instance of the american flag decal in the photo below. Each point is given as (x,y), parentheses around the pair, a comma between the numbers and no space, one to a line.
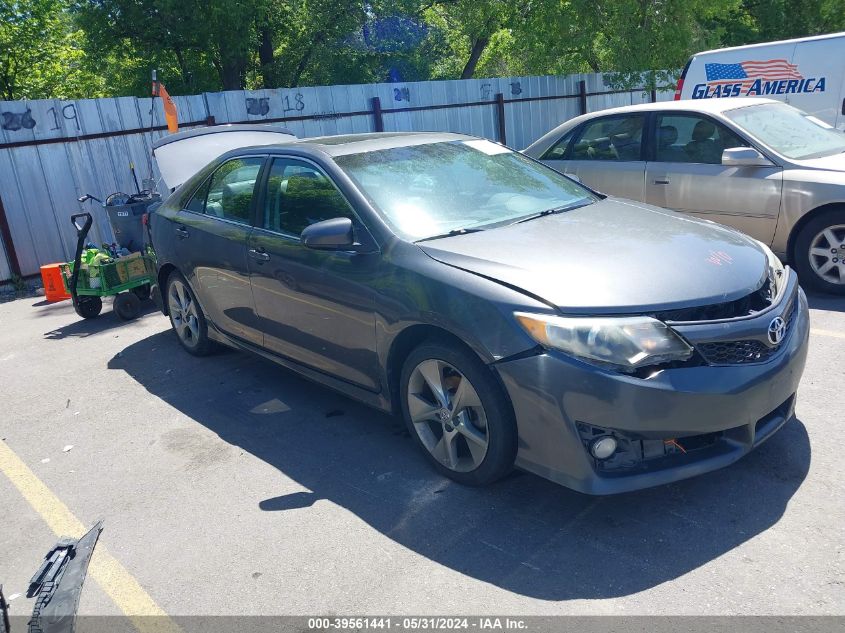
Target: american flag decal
(747,72)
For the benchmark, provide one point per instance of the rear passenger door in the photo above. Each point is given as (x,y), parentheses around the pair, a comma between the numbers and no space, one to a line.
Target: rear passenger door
(606,154)
(685,173)
(211,246)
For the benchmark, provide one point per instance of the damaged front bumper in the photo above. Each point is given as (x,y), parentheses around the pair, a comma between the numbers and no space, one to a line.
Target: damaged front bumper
(57,584)
(675,424)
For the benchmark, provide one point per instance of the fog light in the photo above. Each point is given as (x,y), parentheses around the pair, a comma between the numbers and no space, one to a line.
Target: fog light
(603,447)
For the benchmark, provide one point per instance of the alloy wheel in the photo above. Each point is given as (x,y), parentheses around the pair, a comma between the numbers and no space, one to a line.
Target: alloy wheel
(183,313)
(827,251)
(448,415)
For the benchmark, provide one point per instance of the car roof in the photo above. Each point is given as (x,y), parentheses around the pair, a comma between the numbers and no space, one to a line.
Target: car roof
(795,40)
(710,106)
(344,144)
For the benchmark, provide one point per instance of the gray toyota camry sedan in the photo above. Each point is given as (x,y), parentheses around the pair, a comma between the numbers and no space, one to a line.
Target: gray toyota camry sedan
(511,316)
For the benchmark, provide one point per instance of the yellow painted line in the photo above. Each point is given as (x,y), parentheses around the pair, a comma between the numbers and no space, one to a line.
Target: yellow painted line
(113,577)
(827,333)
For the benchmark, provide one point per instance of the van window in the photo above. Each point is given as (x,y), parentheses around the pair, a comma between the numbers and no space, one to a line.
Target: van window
(610,138)
(687,138)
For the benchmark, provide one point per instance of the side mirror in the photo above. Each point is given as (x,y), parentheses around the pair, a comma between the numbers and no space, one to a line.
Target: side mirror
(744,157)
(573,177)
(329,235)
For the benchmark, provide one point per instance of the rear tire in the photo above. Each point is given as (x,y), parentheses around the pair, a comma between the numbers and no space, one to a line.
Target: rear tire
(88,307)
(142,292)
(186,316)
(818,244)
(127,306)
(464,423)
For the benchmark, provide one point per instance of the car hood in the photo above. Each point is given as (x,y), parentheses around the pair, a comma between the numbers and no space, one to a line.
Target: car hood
(614,256)
(834,162)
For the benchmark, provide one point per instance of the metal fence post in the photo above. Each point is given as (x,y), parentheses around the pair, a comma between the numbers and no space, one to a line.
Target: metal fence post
(378,121)
(8,243)
(500,116)
(582,96)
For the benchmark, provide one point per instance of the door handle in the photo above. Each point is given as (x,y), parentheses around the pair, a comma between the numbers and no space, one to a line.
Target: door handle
(259,254)
(658,181)
(182,232)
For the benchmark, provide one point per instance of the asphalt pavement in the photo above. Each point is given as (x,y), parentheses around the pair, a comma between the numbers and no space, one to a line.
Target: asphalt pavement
(230,486)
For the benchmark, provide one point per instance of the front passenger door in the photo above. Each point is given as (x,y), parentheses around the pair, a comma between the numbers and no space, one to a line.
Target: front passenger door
(316,307)
(687,175)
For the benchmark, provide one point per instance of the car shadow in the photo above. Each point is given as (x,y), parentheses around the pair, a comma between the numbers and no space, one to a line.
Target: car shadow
(523,534)
(827,302)
(107,320)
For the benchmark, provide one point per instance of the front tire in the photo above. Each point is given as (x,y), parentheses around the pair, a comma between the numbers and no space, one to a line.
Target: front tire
(458,414)
(88,306)
(819,252)
(186,316)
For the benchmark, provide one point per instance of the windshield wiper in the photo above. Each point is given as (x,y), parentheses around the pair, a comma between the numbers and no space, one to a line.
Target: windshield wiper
(449,234)
(553,210)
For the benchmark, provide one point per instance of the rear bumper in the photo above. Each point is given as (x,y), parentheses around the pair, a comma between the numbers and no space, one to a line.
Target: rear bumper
(555,398)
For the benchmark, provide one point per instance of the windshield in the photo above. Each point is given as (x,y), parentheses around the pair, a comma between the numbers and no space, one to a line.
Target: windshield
(432,189)
(789,131)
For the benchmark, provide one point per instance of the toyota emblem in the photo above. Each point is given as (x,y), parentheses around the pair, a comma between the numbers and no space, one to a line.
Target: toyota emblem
(777,329)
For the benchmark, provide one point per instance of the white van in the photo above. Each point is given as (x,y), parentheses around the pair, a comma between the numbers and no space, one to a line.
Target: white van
(808,73)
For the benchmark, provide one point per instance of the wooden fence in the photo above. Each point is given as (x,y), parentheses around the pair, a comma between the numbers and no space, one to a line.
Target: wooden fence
(53,151)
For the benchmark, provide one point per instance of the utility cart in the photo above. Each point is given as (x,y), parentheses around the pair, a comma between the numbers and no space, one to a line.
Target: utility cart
(126,278)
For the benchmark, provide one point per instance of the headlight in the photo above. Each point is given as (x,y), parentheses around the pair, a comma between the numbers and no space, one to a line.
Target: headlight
(624,343)
(775,271)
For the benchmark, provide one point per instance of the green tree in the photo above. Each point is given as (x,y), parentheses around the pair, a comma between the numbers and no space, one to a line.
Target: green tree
(477,33)
(128,38)
(98,47)
(41,52)
(636,39)
(769,20)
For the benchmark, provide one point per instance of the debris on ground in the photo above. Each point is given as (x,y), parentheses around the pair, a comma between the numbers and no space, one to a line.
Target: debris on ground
(57,584)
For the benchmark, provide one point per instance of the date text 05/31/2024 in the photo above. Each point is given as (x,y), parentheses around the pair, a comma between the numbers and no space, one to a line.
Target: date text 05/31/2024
(407,623)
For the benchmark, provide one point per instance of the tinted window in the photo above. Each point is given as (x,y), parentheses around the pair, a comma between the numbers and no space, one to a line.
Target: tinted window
(686,138)
(610,138)
(298,194)
(429,189)
(231,189)
(197,203)
(557,151)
